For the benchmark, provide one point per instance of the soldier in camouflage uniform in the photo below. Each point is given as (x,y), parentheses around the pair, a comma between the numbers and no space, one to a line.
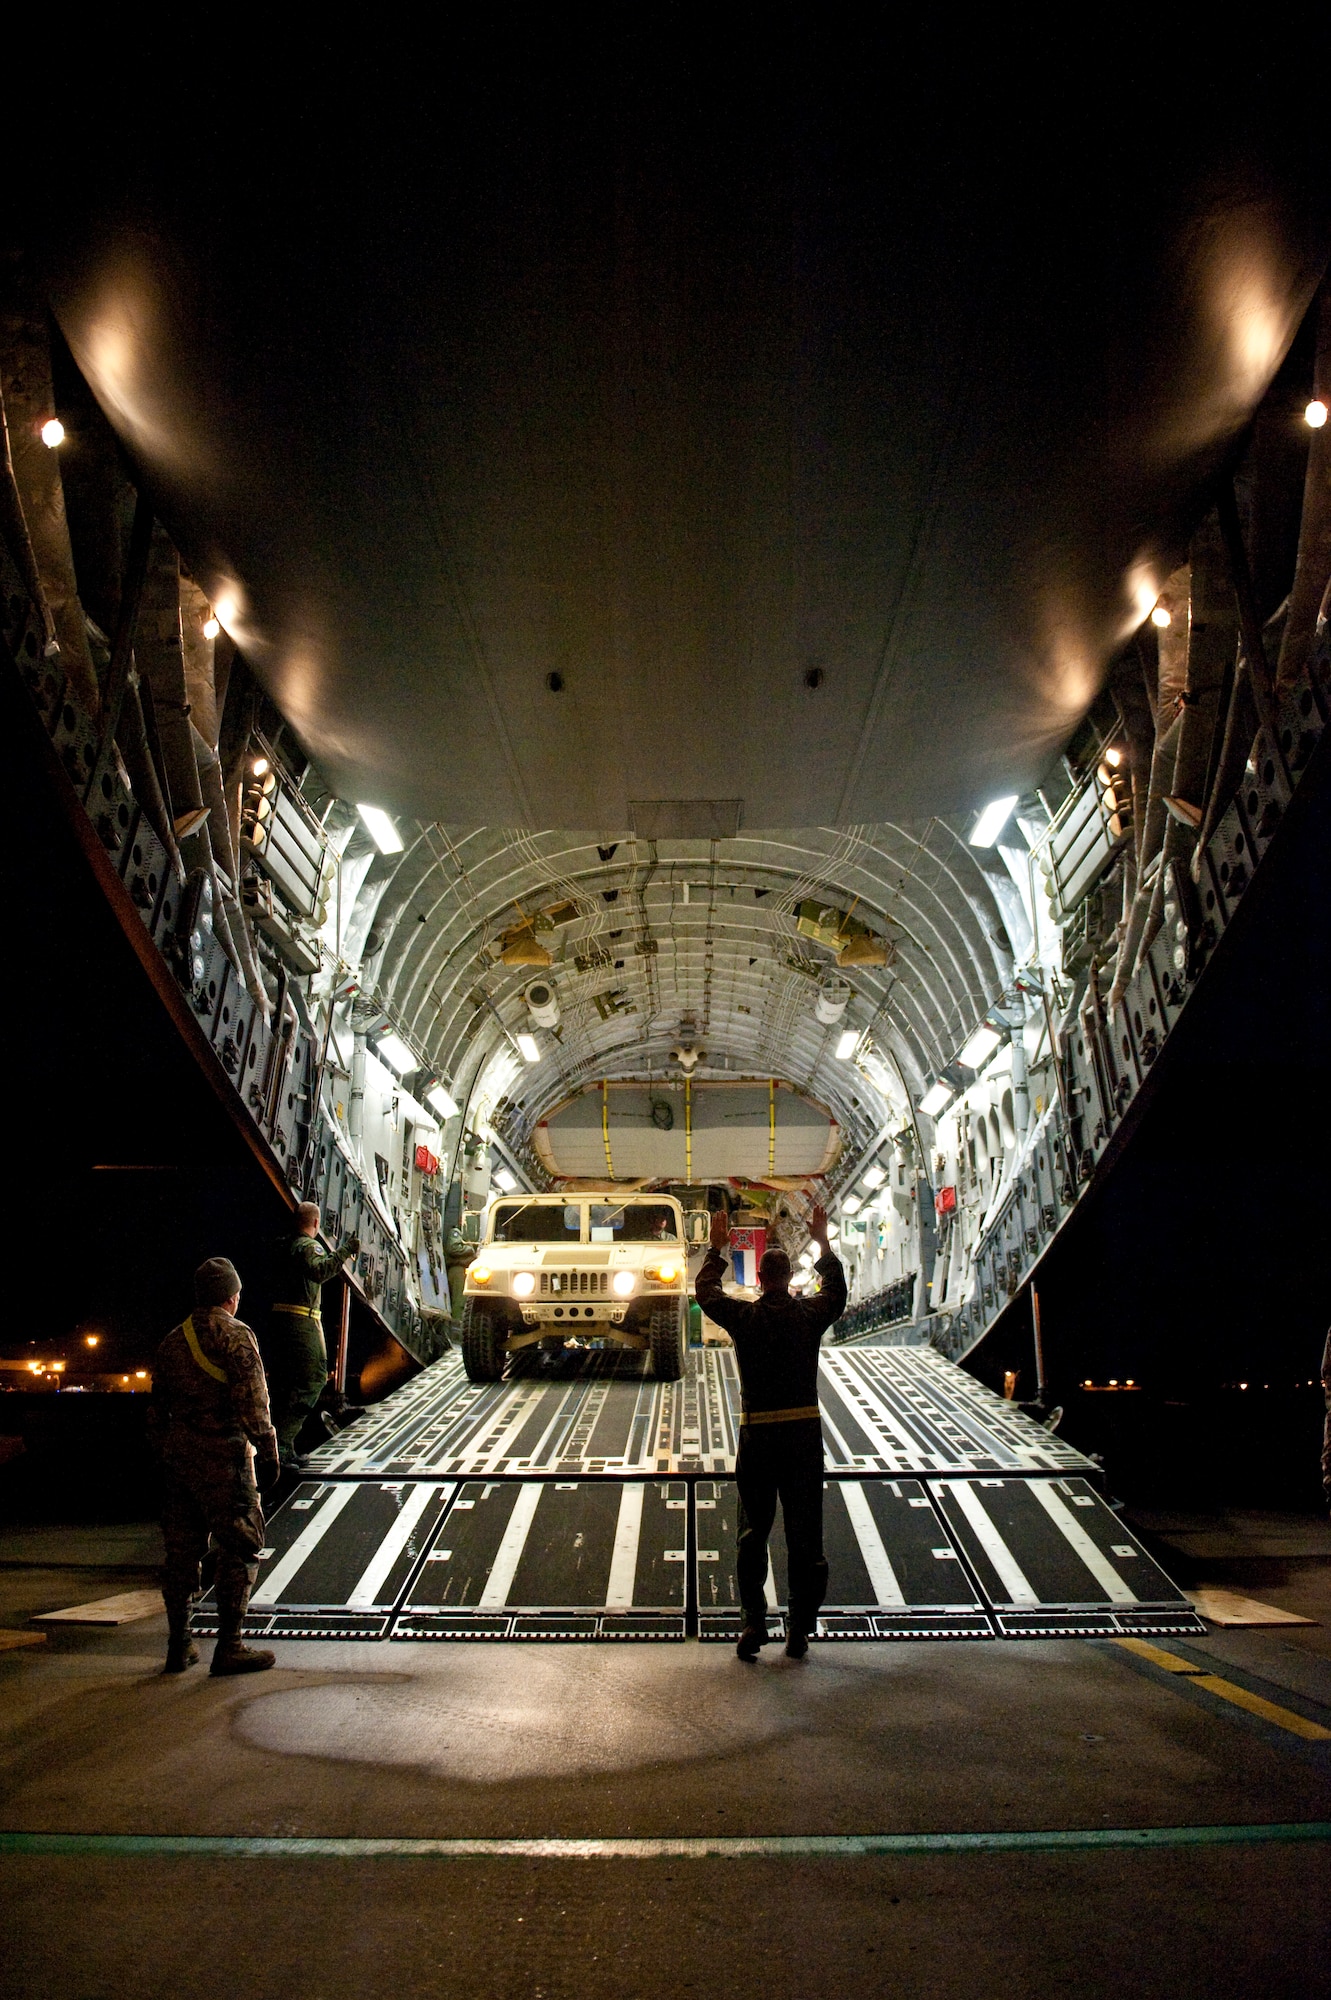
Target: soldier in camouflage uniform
(297,1354)
(209,1421)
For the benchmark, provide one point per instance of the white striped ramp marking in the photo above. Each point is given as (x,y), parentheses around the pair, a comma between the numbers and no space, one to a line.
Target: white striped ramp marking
(882,1579)
(624,1559)
(366,1593)
(986,1534)
(1115,1589)
(279,1576)
(509,1553)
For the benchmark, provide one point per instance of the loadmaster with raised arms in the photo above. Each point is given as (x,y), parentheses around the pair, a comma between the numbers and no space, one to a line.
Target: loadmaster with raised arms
(776,1339)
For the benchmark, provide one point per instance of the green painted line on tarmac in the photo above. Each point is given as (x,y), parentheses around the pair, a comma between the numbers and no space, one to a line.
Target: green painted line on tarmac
(723,1847)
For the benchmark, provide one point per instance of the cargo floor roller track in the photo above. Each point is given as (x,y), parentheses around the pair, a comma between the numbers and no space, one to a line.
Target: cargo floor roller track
(984,1527)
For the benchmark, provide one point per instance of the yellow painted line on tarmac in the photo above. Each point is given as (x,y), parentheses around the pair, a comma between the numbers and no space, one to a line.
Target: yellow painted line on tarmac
(1158,1657)
(1283,1718)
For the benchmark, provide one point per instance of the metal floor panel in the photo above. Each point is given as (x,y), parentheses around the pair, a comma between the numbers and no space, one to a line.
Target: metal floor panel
(1016,1558)
(893,1571)
(338,1558)
(905,1412)
(555,1559)
(1053,1561)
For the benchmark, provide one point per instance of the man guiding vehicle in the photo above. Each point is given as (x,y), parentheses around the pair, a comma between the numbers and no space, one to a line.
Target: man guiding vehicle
(776,1339)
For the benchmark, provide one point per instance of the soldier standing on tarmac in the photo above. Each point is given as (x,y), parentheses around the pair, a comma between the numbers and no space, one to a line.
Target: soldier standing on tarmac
(780,1452)
(297,1354)
(209,1421)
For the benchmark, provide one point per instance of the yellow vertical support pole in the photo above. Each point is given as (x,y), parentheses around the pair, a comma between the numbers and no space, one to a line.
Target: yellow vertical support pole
(688,1128)
(605,1125)
(771,1124)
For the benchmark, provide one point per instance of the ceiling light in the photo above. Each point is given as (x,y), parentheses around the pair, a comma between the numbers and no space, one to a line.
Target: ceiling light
(992,821)
(1113,758)
(874,1178)
(439,1100)
(261,767)
(391,1049)
(226,610)
(53,431)
(527,1048)
(980,1047)
(806,1259)
(506,1183)
(851,1205)
(846,1043)
(1160,616)
(211,627)
(936,1098)
(1314,416)
(92,1339)
(382,830)
(833,1233)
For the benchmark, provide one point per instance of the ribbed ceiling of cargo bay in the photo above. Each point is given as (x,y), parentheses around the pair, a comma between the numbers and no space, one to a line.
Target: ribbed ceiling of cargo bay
(660,945)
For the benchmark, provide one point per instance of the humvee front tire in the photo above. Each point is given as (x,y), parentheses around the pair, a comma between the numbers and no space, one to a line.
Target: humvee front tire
(665,1336)
(482,1342)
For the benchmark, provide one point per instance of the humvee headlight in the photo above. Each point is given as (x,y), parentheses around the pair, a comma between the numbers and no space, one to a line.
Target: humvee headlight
(664,1274)
(622,1283)
(479,1274)
(524,1284)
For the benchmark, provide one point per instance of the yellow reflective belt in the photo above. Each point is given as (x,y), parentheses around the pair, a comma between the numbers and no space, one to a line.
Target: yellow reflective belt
(780,1416)
(208,1367)
(306,1312)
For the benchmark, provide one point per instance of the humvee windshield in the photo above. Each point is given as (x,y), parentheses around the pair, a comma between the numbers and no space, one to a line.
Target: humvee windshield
(633,1222)
(536,1222)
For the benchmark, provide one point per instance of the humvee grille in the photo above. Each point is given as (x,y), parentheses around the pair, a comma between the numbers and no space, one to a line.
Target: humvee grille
(566,1283)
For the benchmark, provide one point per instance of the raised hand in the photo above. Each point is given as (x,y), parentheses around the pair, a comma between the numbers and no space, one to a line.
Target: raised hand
(818,1225)
(720,1230)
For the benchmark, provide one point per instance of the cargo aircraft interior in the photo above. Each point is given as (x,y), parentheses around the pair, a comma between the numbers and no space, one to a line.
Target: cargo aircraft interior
(643,654)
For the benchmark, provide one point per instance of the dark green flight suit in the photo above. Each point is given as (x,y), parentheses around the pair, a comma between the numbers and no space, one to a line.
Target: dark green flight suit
(777,1339)
(297,1352)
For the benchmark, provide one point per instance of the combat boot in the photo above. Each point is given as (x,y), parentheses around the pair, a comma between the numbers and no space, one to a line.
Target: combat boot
(753,1637)
(181,1651)
(231,1655)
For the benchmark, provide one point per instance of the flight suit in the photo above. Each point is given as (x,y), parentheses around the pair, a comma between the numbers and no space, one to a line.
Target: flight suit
(209,1407)
(297,1353)
(776,1340)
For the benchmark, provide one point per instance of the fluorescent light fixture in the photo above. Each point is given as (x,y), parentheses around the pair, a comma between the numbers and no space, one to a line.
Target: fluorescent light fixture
(846,1042)
(506,1183)
(992,821)
(806,1258)
(391,1049)
(851,1205)
(936,1098)
(527,1048)
(980,1047)
(382,830)
(874,1178)
(439,1100)
(833,1233)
